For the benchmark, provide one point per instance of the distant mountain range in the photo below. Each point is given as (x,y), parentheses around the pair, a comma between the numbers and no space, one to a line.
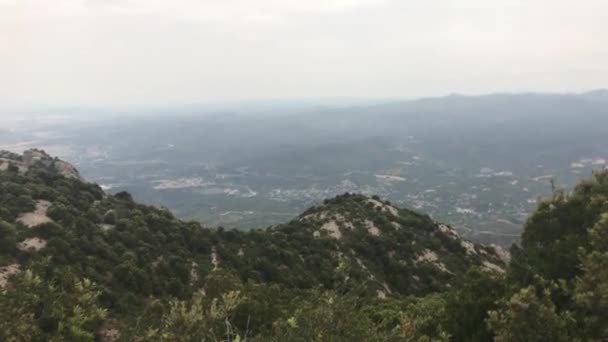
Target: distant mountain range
(478,162)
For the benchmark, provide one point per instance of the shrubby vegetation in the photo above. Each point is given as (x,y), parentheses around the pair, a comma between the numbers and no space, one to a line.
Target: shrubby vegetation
(112,268)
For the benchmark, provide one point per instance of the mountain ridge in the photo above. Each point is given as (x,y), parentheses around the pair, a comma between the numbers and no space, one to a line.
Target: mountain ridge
(344,224)
(79,264)
(36,157)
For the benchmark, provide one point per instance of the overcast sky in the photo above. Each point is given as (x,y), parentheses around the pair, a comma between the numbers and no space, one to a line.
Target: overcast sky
(159,52)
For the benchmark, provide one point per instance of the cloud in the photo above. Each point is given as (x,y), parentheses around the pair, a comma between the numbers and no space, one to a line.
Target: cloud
(175,51)
(208,9)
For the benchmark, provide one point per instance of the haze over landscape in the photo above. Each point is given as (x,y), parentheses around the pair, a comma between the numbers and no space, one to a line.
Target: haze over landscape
(322,170)
(479,163)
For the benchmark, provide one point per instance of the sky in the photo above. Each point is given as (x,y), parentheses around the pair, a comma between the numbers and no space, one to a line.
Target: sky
(166,52)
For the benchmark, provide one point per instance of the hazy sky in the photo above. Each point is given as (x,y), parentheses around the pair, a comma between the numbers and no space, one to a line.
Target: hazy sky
(133,52)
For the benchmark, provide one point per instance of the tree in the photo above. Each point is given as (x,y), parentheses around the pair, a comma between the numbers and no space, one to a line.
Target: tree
(12,168)
(17,314)
(591,291)
(7,237)
(526,317)
(197,320)
(125,196)
(326,317)
(467,307)
(33,309)
(558,228)
(423,320)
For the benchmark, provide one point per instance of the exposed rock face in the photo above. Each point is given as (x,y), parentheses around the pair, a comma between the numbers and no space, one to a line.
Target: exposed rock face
(106,227)
(384,207)
(37,217)
(34,243)
(492,268)
(194,276)
(371,228)
(6,272)
(432,258)
(412,241)
(502,253)
(428,256)
(215,259)
(333,229)
(34,157)
(9,158)
(108,333)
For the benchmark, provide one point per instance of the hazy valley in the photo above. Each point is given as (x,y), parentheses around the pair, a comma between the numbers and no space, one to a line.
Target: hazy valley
(463,160)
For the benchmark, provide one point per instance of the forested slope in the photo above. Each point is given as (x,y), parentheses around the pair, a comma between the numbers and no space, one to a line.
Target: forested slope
(79,264)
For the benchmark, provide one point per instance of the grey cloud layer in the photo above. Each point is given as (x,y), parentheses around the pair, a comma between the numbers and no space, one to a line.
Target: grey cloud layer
(157,52)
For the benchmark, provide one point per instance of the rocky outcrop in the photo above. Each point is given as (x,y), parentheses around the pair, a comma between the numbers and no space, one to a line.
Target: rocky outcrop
(35,157)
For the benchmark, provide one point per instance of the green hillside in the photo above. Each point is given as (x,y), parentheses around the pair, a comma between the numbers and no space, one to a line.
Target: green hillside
(78,264)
